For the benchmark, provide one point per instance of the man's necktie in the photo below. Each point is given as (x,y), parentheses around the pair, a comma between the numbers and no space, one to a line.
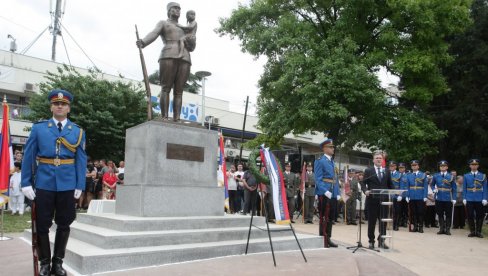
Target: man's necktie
(379,174)
(60,126)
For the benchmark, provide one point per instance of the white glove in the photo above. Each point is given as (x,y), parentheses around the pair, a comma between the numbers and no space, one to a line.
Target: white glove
(425,199)
(464,201)
(399,198)
(328,194)
(407,199)
(453,202)
(484,202)
(29,192)
(435,191)
(77,193)
(316,197)
(338,197)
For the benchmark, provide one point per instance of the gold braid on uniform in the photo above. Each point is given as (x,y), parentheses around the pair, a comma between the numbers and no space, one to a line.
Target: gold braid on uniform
(69,146)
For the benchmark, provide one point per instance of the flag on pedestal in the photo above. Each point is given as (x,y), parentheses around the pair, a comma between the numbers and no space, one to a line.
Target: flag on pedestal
(222,173)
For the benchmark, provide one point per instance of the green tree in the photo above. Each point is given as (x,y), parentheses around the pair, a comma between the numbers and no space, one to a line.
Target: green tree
(322,59)
(104,109)
(192,85)
(462,111)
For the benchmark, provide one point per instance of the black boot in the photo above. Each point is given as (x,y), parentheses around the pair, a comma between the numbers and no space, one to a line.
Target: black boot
(164,104)
(44,253)
(329,234)
(415,227)
(59,248)
(472,231)
(381,244)
(479,225)
(421,228)
(441,226)
(448,227)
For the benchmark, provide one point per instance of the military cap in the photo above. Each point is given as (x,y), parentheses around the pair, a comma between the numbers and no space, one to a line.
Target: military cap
(287,164)
(351,171)
(309,164)
(392,163)
(474,161)
(327,142)
(401,165)
(171,5)
(59,95)
(414,162)
(443,163)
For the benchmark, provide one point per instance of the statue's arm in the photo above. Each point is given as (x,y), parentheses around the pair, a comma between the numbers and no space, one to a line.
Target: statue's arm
(150,37)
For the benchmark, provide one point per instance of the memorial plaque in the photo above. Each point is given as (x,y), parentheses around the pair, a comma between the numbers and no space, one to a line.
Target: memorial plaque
(184,152)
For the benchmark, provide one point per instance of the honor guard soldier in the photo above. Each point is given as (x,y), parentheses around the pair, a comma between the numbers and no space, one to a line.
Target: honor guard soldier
(326,186)
(444,187)
(292,182)
(397,199)
(58,145)
(403,203)
(417,195)
(309,194)
(475,197)
(353,197)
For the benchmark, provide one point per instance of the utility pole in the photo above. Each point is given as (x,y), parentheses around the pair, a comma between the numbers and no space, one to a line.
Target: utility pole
(56,25)
(243,129)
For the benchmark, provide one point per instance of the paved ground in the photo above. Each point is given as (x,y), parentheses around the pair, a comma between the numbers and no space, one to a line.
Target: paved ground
(412,253)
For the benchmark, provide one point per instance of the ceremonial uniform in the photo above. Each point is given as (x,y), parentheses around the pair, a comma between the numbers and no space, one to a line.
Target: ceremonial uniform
(309,195)
(445,191)
(351,202)
(292,182)
(417,196)
(475,193)
(403,204)
(59,178)
(397,199)
(326,185)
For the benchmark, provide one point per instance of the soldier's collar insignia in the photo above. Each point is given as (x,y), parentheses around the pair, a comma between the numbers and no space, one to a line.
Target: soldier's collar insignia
(69,127)
(49,125)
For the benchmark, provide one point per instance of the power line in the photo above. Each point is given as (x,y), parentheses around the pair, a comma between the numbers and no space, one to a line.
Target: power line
(64,28)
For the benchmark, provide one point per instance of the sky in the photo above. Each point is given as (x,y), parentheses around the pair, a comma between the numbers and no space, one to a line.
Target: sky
(105,32)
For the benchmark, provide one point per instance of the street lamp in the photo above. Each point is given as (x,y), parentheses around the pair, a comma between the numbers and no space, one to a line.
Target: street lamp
(203,75)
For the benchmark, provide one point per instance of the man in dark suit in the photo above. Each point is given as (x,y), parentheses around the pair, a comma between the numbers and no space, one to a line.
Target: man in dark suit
(376,177)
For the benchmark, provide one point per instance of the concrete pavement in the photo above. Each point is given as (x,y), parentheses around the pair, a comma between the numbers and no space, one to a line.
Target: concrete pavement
(412,253)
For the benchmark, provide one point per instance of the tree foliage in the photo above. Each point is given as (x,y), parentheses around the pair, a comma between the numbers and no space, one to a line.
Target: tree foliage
(462,111)
(104,109)
(192,84)
(322,59)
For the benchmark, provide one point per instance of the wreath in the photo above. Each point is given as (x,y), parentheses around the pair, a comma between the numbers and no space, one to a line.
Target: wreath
(260,177)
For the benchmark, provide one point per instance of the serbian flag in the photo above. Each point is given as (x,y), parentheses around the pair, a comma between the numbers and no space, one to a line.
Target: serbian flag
(304,179)
(347,184)
(6,155)
(277,183)
(221,174)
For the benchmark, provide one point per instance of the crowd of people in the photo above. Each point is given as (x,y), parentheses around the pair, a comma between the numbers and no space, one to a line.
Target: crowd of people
(443,200)
(102,178)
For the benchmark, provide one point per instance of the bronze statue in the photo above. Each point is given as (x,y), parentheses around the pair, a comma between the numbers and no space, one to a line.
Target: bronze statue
(174,61)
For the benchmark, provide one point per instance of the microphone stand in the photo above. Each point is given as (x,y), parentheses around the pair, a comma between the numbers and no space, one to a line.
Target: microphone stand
(359,243)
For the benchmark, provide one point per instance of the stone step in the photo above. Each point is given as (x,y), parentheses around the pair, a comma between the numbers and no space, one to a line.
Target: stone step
(126,223)
(111,239)
(87,259)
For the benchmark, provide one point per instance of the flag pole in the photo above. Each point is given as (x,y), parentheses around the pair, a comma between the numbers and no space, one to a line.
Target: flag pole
(3,198)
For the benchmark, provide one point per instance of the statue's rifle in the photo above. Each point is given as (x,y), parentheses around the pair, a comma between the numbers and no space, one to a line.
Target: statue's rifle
(146,79)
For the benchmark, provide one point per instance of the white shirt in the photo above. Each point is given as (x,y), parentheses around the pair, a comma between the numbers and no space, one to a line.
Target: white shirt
(231,182)
(63,122)
(15,184)
(328,157)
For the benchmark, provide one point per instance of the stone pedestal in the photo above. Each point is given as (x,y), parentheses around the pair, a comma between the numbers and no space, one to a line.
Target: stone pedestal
(170,171)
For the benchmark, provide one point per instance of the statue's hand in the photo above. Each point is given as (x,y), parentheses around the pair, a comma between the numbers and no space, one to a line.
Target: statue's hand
(140,43)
